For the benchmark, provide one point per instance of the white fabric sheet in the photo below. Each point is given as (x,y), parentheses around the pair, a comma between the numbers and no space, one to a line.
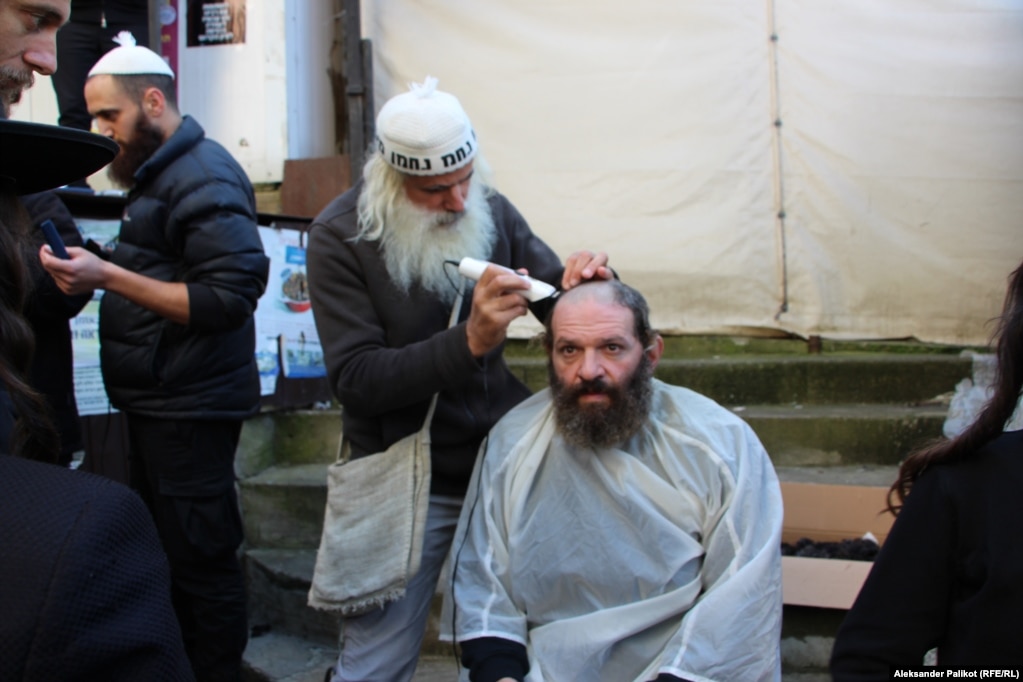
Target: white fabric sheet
(618,565)
(647,129)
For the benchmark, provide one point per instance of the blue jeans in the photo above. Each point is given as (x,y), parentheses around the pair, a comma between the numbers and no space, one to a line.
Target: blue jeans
(383,645)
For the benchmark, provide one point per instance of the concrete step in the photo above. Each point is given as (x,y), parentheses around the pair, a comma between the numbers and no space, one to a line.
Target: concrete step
(885,378)
(275,657)
(280,658)
(709,346)
(794,434)
(863,474)
(283,506)
(297,643)
(307,436)
(278,584)
(279,581)
(840,417)
(820,379)
(912,392)
(836,435)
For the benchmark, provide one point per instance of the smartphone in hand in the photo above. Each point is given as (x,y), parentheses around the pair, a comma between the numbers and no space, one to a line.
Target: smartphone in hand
(54,240)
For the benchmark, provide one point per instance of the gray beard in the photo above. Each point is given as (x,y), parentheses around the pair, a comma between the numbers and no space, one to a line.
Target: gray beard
(600,426)
(417,242)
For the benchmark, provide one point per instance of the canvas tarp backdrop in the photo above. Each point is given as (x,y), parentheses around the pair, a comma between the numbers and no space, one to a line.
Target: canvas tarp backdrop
(851,169)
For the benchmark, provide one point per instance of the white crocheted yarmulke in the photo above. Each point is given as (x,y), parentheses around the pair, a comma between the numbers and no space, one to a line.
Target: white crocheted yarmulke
(425,131)
(130,59)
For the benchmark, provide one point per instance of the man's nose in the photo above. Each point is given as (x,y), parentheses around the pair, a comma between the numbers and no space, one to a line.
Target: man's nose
(454,199)
(590,366)
(41,54)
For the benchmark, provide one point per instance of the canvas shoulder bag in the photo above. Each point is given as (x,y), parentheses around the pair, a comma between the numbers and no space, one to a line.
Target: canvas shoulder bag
(374,521)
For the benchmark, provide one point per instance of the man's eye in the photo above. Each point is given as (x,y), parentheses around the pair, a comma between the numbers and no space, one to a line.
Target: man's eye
(40,20)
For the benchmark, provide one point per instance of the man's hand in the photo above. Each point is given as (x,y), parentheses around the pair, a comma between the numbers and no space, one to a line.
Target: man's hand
(85,272)
(496,301)
(584,265)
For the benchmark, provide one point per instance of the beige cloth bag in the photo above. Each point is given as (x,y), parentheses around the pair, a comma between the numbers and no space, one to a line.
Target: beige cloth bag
(374,522)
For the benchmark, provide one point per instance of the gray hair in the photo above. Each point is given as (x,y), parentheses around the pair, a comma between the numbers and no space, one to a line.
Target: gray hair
(384,187)
(623,295)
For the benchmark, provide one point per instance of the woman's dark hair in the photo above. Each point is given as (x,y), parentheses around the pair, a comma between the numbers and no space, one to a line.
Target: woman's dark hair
(996,411)
(33,436)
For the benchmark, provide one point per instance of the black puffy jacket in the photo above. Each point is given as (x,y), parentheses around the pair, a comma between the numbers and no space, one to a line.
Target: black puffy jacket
(191,217)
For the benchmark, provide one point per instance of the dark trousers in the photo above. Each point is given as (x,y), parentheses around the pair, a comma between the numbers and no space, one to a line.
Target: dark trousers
(184,471)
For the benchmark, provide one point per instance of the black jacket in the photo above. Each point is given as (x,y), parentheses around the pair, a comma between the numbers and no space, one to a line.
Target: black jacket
(84,584)
(191,217)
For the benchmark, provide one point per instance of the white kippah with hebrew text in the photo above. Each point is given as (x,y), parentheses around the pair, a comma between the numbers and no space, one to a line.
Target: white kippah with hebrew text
(425,131)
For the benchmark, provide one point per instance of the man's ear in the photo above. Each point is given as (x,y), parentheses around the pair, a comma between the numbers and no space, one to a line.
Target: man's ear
(655,350)
(153,102)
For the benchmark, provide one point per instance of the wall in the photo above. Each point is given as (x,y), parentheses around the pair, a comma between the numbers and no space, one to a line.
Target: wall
(849,169)
(266,100)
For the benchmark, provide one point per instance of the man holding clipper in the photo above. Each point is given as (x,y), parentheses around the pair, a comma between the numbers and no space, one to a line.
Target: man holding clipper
(382,291)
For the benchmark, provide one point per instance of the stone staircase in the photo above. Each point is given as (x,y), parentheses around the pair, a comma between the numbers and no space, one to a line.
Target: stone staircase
(845,415)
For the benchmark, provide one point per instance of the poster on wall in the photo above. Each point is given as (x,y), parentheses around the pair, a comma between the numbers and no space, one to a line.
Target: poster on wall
(215,22)
(284,316)
(286,341)
(90,394)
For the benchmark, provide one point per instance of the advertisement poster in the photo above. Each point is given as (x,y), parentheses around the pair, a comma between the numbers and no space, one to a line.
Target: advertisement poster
(284,317)
(286,340)
(216,23)
(90,394)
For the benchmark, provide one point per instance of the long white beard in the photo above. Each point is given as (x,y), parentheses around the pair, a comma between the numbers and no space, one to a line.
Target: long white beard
(417,242)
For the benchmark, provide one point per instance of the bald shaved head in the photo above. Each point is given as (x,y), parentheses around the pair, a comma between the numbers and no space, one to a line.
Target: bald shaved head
(611,292)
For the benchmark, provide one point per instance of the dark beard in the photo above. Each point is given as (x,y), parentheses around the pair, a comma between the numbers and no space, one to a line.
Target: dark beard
(12,83)
(602,426)
(146,139)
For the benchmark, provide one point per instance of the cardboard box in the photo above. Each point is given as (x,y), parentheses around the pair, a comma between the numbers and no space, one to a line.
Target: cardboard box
(829,513)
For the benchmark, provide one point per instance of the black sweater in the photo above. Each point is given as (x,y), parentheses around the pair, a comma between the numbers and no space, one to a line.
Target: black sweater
(388,352)
(950,574)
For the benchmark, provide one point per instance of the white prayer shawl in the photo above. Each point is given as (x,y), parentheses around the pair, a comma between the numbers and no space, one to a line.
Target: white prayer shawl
(621,564)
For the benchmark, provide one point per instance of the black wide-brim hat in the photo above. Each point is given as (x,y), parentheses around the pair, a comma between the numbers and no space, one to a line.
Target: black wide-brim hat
(38,157)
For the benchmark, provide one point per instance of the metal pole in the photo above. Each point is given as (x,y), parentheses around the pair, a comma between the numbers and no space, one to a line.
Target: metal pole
(155,26)
(369,120)
(356,88)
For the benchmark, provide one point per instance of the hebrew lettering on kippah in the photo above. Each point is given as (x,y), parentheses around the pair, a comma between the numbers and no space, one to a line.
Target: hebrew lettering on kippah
(457,156)
(410,163)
